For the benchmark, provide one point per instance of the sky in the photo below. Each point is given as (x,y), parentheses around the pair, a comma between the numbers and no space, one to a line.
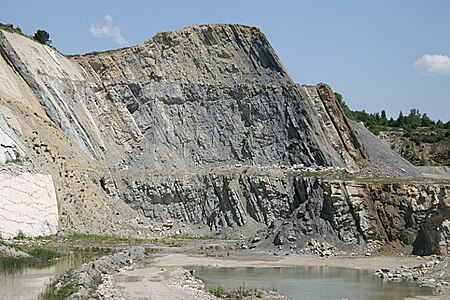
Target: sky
(383,54)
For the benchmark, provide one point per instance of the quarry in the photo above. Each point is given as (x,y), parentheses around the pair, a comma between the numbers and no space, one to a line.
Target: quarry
(200,137)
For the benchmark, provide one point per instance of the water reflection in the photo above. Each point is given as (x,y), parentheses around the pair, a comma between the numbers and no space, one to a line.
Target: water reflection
(310,282)
(28,283)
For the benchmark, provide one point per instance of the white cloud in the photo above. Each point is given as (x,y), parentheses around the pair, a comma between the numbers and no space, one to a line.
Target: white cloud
(109,30)
(433,65)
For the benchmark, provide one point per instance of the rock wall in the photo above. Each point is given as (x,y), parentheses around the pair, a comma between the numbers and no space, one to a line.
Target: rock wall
(28,205)
(204,127)
(424,153)
(213,95)
(205,95)
(33,143)
(348,214)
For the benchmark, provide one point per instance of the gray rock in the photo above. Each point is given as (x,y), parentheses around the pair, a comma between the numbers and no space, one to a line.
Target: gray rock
(204,127)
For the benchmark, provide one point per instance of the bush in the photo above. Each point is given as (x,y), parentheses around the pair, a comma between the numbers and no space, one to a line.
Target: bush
(42,37)
(10,28)
(218,292)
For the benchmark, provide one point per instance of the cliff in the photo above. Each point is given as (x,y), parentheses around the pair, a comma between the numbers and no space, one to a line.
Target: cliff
(205,95)
(196,131)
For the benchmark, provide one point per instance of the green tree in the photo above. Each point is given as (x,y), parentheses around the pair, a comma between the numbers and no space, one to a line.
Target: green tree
(414,119)
(383,120)
(42,37)
(426,121)
(343,105)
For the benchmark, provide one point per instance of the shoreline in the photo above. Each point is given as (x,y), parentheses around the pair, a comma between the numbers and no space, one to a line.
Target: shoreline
(149,272)
(169,268)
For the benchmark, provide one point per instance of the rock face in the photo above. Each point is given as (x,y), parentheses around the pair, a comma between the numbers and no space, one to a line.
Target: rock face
(293,209)
(28,205)
(205,95)
(423,153)
(199,129)
(373,215)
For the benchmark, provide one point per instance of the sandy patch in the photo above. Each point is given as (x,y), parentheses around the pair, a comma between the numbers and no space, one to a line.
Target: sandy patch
(366,263)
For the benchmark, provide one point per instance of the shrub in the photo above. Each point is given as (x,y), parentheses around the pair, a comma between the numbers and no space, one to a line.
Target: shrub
(42,37)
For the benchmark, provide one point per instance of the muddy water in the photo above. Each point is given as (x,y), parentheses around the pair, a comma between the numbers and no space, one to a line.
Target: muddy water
(310,282)
(28,283)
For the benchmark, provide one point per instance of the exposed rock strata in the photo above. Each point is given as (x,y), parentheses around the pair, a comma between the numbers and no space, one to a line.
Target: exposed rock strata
(203,95)
(37,146)
(174,128)
(294,209)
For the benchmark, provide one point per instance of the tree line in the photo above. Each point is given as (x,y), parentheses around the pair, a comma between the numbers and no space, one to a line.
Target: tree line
(378,121)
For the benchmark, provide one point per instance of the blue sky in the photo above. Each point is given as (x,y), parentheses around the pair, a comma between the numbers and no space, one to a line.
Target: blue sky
(391,55)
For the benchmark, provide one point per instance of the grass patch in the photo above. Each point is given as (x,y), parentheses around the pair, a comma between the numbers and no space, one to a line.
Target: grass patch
(92,237)
(174,244)
(50,294)
(39,258)
(240,293)
(96,281)
(148,250)
(218,292)
(387,180)
(95,238)
(200,238)
(10,28)
(92,251)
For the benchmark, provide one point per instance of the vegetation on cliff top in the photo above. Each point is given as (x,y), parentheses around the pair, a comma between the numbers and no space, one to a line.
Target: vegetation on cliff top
(378,121)
(414,131)
(10,28)
(40,35)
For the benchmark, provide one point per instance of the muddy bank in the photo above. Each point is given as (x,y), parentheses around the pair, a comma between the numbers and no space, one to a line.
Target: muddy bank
(140,273)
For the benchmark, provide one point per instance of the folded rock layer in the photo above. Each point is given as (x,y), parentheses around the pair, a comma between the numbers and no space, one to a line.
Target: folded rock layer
(193,130)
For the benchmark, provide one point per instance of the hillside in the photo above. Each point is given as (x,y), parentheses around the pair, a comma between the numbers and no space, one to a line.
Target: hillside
(416,137)
(199,131)
(423,146)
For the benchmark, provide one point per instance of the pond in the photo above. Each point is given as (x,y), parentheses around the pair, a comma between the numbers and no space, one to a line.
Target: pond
(27,283)
(306,282)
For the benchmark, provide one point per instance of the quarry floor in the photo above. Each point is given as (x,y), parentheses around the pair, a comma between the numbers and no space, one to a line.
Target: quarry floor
(166,274)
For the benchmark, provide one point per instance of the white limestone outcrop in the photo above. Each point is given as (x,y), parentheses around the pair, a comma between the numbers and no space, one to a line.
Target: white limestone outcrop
(27,205)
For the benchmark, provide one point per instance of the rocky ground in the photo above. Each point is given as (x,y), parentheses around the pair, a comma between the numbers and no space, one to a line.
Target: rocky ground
(383,162)
(142,273)
(434,273)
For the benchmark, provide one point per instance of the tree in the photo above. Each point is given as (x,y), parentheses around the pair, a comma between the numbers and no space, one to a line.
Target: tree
(42,37)
(426,121)
(414,119)
(383,120)
(343,105)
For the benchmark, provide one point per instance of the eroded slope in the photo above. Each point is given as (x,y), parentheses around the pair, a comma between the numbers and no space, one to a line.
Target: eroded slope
(196,131)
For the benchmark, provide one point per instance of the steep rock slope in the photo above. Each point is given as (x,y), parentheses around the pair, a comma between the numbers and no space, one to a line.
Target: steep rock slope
(33,145)
(288,209)
(211,95)
(198,130)
(198,98)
